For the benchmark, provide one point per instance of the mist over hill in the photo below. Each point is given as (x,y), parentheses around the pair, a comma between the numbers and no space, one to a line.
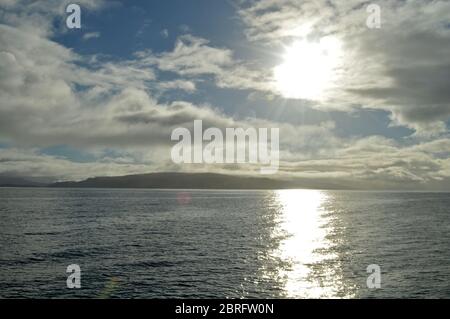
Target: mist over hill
(15,181)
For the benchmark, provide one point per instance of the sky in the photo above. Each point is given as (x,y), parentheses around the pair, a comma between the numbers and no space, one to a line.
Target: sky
(357,106)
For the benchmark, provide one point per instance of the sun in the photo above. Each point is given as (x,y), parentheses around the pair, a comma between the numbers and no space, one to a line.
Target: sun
(308,69)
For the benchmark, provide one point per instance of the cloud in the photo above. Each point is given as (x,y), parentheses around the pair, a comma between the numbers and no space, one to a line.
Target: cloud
(164,33)
(377,162)
(32,163)
(91,35)
(402,68)
(52,96)
(191,56)
(194,57)
(112,110)
(370,163)
(39,17)
(185,85)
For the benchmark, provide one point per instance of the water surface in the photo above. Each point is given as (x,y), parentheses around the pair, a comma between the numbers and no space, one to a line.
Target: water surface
(234,244)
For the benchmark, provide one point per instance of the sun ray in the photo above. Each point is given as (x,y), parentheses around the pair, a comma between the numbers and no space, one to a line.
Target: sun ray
(308,69)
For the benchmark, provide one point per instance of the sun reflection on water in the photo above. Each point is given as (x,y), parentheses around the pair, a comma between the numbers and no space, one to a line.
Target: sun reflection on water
(303,227)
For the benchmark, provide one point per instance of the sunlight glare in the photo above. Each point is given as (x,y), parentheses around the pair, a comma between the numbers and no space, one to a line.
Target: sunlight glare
(309,68)
(303,222)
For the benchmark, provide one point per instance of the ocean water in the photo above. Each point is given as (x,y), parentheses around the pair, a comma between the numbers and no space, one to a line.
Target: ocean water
(228,244)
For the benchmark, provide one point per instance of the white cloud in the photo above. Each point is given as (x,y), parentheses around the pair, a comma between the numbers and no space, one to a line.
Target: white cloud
(402,68)
(52,96)
(91,35)
(194,57)
(38,16)
(164,33)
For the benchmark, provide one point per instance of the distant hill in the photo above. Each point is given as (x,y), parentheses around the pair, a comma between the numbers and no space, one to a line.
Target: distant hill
(179,181)
(198,181)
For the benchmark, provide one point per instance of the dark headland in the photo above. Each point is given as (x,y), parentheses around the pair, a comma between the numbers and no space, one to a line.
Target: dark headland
(177,181)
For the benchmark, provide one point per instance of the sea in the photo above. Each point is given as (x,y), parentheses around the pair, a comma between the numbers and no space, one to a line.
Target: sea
(146,243)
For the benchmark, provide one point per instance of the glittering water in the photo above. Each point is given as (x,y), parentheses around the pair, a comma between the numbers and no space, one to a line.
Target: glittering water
(159,243)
